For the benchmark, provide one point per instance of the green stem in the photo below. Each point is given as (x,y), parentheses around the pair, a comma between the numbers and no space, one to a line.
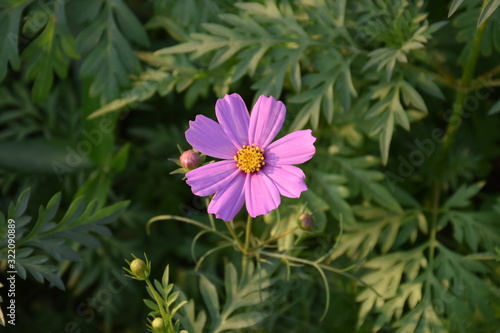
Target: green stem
(177,218)
(465,81)
(186,220)
(210,216)
(230,228)
(433,225)
(163,312)
(248,232)
(275,238)
(451,131)
(318,266)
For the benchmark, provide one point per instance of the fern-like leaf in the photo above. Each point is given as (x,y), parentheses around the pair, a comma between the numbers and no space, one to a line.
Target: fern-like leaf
(10,17)
(109,57)
(50,52)
(37,243)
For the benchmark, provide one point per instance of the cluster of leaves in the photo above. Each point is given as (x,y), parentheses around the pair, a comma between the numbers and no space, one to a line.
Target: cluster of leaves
(486,11)
(37,243)
(278,47)
(104,29)
(413,219)
(241,309)
(422,277)
(439,277)
(41,247)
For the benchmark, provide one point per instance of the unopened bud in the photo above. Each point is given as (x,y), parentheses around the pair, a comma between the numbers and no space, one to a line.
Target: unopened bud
(189,159)
(139,268)
(306,221)
(157,325)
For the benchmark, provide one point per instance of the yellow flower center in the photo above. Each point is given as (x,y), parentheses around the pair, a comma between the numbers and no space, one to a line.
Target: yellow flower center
(250,158)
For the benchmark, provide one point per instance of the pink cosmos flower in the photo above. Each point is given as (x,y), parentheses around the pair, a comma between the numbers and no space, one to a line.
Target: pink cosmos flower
(254,170)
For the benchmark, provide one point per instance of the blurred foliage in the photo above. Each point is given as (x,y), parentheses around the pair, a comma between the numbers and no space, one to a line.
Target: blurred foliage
(404,188)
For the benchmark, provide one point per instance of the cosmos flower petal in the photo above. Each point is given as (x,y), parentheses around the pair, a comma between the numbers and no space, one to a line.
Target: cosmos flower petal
(233,117)
(261,194)
(266,121)
(228,201)
(288,179)
(207,136)
(294,148)
(210,178)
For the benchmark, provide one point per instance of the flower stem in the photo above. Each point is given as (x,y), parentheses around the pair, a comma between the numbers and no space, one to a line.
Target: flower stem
(210,216)
(186,220)
(433,225)
(465,81)
(248,232)
(451,131)
(163,311)
(230,228)
(275,238)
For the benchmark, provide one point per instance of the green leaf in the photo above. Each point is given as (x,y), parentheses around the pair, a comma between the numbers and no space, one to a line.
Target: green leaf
(243,297)
(256,46)
(387,273)
(466,23)
(386,137)
(295,76)
(109,57)
(454,6)
(387,111)
(335,195)
(10,17)
(151,305)
(78,224)
(148,84)
(120,159)
(412,97)
(74,211)
(173,28)
(427,84)
(495,108)
(172,298)
(49,53)
(211,299)
(42,156)
(461,198)
(487,11)
(131,27)
(37,266)
(462,272)
(188,318)
(165,278)
(241,321)
(334,78)
(16,211)
(46,215)
(366,181)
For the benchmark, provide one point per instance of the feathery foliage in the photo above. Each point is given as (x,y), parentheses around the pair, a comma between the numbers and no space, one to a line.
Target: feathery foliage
(398,231)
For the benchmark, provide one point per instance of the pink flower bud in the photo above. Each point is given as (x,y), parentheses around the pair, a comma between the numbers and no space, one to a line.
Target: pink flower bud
(189,159)
(306,221)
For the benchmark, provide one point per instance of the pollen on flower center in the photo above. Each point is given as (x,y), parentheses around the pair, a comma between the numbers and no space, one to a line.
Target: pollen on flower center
(250,158)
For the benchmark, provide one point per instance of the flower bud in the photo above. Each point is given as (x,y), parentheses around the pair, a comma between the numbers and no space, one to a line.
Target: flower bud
(139,269)
(157,325)
(189,159)
(306,221)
